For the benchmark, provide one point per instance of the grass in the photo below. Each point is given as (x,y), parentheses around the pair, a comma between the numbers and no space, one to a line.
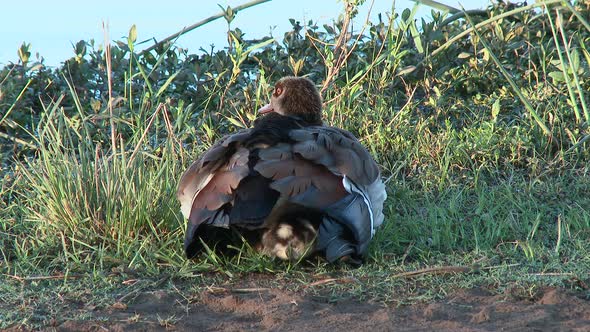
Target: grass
(487,188)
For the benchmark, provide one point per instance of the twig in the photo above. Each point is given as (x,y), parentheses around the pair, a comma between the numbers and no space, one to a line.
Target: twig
(216,290)
(499,266)
(107,56)
(552,274)
(201,23)
(341,53)
(35,278)
(331,280)
(435,271)
(249,290)
(22,92)
(18,140)
(142,288)
(366,72)
(321,282)
(411,245)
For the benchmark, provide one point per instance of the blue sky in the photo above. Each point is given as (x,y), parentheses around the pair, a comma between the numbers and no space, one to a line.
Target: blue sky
(53,26)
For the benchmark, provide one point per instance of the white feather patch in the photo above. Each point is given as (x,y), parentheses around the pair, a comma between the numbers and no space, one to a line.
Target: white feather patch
(373,196)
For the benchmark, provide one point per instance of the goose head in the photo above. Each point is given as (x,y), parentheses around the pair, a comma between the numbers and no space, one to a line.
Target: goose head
(296,97)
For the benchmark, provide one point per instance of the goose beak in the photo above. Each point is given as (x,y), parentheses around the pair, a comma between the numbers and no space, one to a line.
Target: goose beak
(266,109)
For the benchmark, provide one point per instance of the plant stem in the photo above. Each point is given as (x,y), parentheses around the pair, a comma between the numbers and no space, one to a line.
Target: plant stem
(201,23)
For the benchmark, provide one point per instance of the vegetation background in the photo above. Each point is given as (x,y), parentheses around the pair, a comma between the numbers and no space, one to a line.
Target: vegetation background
(479,121)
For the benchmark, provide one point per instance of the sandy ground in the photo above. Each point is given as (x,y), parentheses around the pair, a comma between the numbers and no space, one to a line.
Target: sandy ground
(548,309)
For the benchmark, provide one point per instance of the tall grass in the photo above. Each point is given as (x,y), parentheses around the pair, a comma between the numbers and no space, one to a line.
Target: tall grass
(85,197)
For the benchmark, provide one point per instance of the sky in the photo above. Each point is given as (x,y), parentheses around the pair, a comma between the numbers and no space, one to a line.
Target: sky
(52,27)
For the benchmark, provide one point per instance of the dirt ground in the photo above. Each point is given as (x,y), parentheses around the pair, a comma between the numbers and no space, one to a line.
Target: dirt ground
(255,309)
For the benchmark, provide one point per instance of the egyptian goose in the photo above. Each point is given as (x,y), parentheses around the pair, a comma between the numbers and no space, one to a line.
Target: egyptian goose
(289,184)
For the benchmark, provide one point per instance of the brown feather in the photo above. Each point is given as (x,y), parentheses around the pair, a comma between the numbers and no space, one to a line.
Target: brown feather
(279,151)
(337,150)
(193,178)
(240,136)
(291,185)
(294,177)
(219,189)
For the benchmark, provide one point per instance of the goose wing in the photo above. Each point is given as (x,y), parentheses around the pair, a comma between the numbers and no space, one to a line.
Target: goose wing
(207,187)
(328,169)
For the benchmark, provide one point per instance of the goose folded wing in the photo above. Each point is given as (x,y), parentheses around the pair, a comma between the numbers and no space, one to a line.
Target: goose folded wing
(298,179)
(217,190)
(199,173)
(341,153)
(338,150)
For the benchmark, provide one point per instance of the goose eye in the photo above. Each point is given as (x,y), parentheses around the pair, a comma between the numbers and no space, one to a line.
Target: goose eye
(278,91)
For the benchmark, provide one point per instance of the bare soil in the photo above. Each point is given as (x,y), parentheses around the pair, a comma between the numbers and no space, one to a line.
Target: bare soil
(271,309)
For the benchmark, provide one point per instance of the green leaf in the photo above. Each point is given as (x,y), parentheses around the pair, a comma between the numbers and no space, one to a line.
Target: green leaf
(165,85)
(486,55)
(24,53)
(463,55)
(440,6)
(228,13)
(80,48)
(495,109)
(259,45)
(406,70)
(235,122)
(295,66)
(417,39)
(406,14)
(575,60)
(557,76)
(132,37)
